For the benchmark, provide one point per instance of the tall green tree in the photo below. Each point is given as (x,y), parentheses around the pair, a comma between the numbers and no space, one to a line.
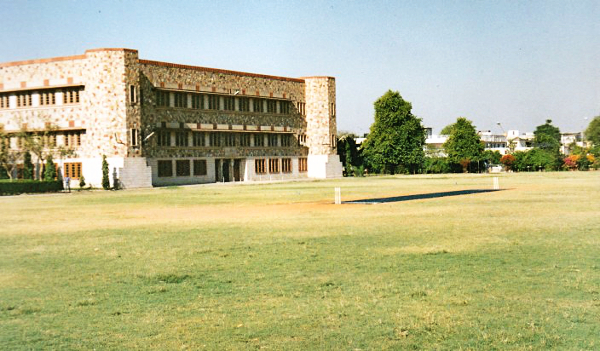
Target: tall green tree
(396,138)
(50,170)
(546,144)
(547,137)
(28,169)
(464,145)
(348,152)
(592,133)
(105,178)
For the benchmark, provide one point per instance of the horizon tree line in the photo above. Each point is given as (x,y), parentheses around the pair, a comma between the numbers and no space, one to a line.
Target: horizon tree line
(396,144)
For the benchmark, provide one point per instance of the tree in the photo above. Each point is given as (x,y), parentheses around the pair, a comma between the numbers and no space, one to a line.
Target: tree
(42,143)
(463,145)
(547,137)
(447,129)
(105,179)
(535,159)
(396,138)
(436,165)
(27,166)
(546,147)
(8,157)
(348,152)
(508,161)
(592,133)
(50,170)
(491,157)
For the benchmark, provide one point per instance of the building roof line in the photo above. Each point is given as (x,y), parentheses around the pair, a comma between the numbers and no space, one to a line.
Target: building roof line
(46,60)
(61,58)
(110,49)
(216,70)
(326,77)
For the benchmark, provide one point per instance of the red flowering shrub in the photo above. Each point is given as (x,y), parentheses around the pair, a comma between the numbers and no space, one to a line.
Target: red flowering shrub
(508,161)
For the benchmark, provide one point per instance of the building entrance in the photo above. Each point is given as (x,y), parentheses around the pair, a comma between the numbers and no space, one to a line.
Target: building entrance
(227,170)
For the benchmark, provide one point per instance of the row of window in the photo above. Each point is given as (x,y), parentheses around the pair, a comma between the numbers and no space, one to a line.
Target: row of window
(276,165)
(45,97)
(48,140)
(186,168)
(218,139)
(182,168)
(70,169)
(199,101)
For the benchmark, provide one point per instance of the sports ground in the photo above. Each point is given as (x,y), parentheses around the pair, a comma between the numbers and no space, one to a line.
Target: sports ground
(279,266)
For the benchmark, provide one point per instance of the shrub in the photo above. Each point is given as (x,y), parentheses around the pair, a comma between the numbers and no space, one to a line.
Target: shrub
(81,181)
(105,179)
(27,166)
(436,165)
(571,161)
(50,171)
(359,171)
(29,186)
(508,161)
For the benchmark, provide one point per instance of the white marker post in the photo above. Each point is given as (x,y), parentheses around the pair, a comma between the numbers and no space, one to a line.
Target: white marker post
(338,196)
(496,184)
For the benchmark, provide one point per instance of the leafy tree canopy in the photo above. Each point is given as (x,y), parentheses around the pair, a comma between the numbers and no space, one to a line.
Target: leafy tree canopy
(536,159)
(547,137)
(491,157)
(348,152)
(592,133)
(463,144)
(447,129)
(396,138)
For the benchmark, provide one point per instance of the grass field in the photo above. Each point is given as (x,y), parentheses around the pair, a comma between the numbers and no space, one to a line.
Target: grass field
(278,266)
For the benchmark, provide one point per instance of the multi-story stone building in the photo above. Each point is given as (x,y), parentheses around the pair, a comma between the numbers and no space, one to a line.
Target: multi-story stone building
(160,123)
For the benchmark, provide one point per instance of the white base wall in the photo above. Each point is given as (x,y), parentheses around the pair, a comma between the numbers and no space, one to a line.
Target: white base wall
(155,180)
(91,169)
(324,166)
(135,173)
(139,172)
(251,175)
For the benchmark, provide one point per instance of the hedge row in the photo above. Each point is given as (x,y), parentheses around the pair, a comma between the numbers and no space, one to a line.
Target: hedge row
(29,186)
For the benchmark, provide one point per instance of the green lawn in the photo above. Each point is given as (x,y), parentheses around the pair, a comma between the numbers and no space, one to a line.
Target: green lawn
(278,266)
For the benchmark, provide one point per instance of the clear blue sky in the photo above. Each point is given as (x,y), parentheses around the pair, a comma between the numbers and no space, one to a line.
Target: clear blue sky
(517,62)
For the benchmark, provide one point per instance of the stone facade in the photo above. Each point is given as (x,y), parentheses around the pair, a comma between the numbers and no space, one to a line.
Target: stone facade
(141,114)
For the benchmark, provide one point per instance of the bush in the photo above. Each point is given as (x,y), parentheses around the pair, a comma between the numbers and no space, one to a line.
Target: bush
(508,161)
(50,171)
(29,186)
(105,179)
(81,181)
(27,166)
(436,165)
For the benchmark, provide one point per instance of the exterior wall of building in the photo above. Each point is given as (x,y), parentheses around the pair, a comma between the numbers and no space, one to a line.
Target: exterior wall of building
(98,117)
(118,114)
(323,162)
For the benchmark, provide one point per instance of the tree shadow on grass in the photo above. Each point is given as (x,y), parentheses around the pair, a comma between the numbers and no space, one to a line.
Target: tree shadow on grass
(420,196)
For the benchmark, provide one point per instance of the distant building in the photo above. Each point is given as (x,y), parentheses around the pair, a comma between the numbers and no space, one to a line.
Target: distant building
(160,123)
(568,139)
(434,144)
(494,142)
(519,142)
(504,144)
